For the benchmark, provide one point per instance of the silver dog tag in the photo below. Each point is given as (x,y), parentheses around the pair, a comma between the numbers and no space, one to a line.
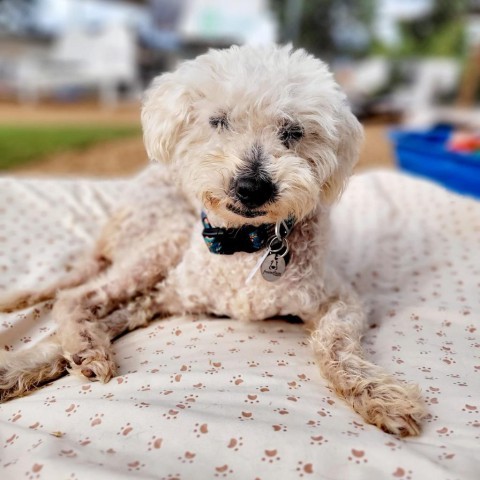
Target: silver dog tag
(273,267)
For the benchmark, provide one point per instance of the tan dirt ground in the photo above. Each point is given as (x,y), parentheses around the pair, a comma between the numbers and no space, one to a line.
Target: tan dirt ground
(126,156)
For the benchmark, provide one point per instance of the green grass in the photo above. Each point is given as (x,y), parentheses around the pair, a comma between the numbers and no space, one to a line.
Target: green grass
(20,144)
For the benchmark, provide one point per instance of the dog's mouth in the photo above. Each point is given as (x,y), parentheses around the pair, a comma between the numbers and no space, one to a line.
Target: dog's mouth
(245,212)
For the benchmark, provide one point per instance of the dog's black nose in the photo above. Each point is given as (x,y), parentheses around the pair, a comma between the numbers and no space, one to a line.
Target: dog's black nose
(254,191)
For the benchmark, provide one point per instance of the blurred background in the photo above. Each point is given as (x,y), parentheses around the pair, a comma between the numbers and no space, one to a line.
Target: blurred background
(72,72)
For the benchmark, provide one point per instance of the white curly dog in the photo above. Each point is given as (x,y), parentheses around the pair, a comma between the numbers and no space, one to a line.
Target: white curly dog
(254,145)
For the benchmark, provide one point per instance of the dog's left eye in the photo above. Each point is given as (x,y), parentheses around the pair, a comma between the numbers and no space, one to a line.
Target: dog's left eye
(290,134)
(219,121)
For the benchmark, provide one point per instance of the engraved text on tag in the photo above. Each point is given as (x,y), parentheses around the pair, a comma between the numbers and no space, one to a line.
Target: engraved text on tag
(273,267)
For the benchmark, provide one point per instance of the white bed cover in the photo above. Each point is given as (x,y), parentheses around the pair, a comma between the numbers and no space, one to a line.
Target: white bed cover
(217,399)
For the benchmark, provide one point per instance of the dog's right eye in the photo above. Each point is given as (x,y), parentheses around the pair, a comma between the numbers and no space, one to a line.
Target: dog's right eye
(219,121)
(290,134)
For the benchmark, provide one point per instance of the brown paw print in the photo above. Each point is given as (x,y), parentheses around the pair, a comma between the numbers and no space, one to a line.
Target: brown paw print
(67,453)
(357,425)
(16,416)
(358,456)
(108,396)
(34,471)
(444,432)
(446,456)
(172,414)
(431,400)
(318,440)
(237,380)
(84,389)
(176,378)
(135,466)
(252,399)
(448,360)
(244,416)
(324,413)
(304,469)
(200,429)
(393,446)
(125,430)
(402,473)
(155,443)
(187,457)
(431,418)
(271,456)
(252,364)
(10,441)
(176,331)
(235,443)
(72,409)
(96,420)
(279,427)
(201,327)
(187,401)
(223,471)
(50,401)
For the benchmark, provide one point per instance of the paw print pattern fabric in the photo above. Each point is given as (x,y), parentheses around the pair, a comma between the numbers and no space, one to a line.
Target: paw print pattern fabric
(218,399)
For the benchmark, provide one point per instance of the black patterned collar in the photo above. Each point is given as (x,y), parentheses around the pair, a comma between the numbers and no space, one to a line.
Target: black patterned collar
(248,238)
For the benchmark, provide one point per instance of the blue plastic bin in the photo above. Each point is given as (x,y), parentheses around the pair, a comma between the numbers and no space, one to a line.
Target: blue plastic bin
(424,153)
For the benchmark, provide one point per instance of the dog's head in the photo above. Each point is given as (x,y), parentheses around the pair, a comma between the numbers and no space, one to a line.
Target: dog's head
(257,134)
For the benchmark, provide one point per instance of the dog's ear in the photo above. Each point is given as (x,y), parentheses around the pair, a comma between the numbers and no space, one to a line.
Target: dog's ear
(350,137)
(165,111)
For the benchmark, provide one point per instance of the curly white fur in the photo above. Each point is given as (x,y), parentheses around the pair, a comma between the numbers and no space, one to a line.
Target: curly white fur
(151,259)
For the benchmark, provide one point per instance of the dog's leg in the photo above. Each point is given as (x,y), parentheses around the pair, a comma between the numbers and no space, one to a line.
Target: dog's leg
(137,313)
(380,399)
(27,369)
(26,298)
(86,341)
(82,332)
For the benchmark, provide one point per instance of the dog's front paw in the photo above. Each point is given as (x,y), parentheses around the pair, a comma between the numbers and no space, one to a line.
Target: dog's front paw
(93,364)
(395,408)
